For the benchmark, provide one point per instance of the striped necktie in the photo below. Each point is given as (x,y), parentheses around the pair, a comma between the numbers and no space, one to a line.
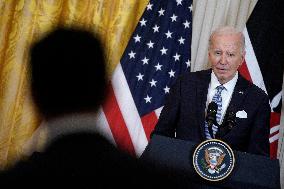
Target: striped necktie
(217,98)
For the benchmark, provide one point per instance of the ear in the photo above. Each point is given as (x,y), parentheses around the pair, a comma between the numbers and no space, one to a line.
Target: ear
(208,51)
(243,57)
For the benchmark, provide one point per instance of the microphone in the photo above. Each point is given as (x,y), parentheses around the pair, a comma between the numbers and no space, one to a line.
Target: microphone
(231,120)
(211,116)
(228,123)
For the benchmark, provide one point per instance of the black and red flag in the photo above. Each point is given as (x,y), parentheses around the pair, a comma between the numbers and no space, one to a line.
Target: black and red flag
(265,57)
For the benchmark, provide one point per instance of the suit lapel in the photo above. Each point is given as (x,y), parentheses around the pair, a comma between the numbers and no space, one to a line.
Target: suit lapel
(201,98)
(238,96)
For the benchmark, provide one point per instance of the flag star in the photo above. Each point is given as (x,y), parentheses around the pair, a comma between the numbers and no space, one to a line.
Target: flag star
(140,77)
(166,89)
(131,54)
(181,40)
(190,8)
(163,50)
(137,38)
(169,34)
(187,63)
(179,2)
(186,24)
(156,28)
(145,60)
(172,73)
(149,6)
(143,22)
(176,56)
(158,67)
(153,83)
(150,44)
(148,99)
(161,12)
(174,17)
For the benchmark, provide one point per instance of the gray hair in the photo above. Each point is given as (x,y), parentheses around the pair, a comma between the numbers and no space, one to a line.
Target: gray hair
(224,30)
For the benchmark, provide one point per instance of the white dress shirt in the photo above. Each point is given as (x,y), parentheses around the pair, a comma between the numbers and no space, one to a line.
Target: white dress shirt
(226,93)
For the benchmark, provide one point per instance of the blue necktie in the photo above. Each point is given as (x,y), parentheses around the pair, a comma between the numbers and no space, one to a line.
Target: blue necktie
(217,98)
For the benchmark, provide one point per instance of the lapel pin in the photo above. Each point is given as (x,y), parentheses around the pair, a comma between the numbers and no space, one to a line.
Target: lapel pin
(241,92)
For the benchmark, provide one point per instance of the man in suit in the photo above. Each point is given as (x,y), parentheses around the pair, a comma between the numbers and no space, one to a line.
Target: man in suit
(184,114)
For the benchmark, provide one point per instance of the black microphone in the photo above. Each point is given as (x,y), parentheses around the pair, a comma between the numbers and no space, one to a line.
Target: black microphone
(228,123)
(231,120)
(211,116)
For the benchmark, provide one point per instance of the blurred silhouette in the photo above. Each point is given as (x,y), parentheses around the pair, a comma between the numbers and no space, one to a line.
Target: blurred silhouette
(68,81)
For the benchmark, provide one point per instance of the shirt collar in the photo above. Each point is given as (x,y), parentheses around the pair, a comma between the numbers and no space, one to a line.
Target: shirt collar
(229,86)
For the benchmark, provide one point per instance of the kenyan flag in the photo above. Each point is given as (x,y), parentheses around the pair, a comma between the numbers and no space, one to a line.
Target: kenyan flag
(265,58)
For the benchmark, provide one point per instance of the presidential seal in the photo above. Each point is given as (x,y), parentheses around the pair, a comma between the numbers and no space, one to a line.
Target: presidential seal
(213,160)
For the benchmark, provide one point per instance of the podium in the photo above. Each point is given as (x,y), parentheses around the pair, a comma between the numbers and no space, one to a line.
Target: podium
(175,156)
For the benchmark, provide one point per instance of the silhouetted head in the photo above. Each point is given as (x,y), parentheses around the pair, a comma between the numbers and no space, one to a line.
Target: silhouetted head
(67,72)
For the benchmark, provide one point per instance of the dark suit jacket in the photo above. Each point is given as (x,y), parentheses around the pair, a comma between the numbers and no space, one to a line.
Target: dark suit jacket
(184,113)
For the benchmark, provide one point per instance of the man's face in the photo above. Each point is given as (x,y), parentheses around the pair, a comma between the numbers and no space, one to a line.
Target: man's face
(225,56)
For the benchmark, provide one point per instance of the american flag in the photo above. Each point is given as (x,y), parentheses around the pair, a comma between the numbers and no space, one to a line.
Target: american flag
(157,53)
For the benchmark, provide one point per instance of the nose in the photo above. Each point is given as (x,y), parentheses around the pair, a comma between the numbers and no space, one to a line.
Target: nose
(223,59)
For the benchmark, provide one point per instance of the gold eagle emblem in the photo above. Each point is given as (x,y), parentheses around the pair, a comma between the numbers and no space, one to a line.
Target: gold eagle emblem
(214,161)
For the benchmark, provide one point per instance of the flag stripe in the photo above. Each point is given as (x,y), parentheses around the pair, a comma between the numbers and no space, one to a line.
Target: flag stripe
(274,129)
(252,63)
(103,126)
(274,122)
(117,124)
(274,138)
(158,111)
(149,121)
(273,148)
(129,110)
(275,119)
(244,71)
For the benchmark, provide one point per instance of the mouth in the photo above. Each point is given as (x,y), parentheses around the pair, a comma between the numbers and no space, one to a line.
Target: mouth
(222,70)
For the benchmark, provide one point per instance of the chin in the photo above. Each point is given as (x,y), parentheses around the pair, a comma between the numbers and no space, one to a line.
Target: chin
(222,79)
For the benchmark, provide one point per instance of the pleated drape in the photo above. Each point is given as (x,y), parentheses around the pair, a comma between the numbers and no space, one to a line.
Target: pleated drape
(207,16)
(24,21)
